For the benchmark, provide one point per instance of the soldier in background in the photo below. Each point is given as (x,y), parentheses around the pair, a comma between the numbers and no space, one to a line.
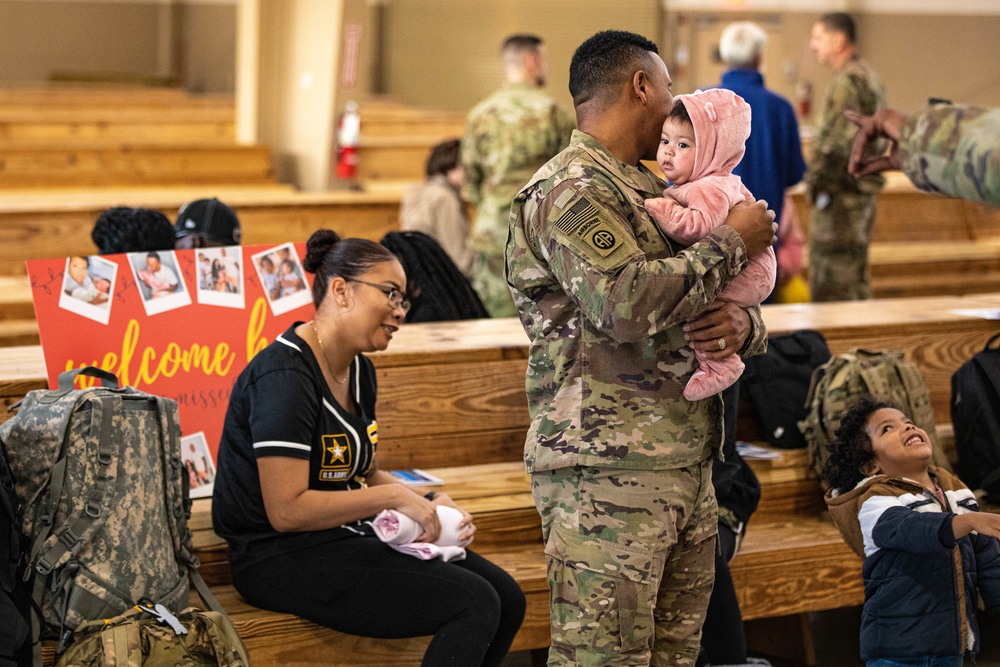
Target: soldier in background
(508,136)
(621,463)
(843,207)
(951,149)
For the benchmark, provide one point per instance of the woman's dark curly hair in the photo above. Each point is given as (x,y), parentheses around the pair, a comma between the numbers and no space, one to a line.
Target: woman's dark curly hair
(851,450)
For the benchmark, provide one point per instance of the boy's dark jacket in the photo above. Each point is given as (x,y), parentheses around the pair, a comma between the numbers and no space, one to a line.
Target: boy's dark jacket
(920,583)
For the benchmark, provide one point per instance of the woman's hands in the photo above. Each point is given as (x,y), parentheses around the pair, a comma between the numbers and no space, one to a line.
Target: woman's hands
(424,512)
(419,509)
(467,529)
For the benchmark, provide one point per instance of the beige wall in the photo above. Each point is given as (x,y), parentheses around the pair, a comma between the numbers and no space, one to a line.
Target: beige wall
(192,41)
(445,53)
(206,42)
(42,38)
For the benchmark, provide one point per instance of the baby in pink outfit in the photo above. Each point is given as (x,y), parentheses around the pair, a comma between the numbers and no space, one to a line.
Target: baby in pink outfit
(703,138)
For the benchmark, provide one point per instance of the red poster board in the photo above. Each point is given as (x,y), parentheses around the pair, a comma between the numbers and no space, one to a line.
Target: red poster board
(180,325)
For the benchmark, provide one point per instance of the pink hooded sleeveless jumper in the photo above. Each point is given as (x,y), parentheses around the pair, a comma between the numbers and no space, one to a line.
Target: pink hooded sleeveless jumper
(689,212)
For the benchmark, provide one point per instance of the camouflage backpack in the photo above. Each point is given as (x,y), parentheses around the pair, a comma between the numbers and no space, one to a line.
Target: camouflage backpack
(104,500)
(147,636)
(840,382)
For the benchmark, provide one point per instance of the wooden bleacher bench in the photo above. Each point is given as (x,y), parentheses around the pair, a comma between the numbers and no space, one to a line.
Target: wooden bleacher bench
(155,165)
(77,135)
(120,127)
(57,223)
(470,375)
(396,140)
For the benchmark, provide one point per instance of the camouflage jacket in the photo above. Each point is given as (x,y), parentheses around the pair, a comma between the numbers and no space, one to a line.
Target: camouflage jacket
(856,87)
(602,294)
(954,150)
(508,136)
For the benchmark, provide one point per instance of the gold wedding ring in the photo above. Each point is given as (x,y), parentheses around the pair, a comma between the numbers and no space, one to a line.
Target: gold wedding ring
(722,343)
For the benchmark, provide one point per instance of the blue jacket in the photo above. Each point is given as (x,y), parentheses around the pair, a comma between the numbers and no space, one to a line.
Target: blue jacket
(920,582)
(773,160)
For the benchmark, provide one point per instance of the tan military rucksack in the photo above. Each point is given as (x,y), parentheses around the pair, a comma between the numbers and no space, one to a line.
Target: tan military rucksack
(104,496)
(839,383)
(147,636)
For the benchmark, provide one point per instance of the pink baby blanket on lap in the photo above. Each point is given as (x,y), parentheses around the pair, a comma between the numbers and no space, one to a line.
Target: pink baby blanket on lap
(399,532)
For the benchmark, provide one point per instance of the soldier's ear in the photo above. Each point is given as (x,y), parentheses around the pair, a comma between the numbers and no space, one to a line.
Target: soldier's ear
(639,83)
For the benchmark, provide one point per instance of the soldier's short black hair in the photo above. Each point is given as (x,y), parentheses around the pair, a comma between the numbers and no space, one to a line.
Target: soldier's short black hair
(124,229)
(840,22)
(851,449)
(679,113)
(443,158)
(521,43)
(605,61)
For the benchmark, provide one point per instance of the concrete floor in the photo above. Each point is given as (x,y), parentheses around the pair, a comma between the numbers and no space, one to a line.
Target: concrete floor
(835,635)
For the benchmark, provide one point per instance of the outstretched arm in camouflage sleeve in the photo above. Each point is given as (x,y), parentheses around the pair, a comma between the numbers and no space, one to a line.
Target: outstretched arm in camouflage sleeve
(954,150)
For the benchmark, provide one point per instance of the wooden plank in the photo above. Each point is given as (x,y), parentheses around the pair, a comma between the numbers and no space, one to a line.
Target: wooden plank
(42,225)
(119,134)
(798,565)
(41,167)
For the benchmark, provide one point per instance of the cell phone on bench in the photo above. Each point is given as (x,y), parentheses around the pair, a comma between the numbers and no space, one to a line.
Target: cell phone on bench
(416,477)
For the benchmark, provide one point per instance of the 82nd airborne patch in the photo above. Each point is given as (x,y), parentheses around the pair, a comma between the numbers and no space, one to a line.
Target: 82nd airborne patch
(582,224)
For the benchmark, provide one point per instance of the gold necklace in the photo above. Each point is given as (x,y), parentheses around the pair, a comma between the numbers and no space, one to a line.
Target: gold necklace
(319,340)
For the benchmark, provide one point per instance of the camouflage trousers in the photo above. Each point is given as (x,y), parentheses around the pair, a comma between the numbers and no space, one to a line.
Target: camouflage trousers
(631,562)
(839,234)
(490,283)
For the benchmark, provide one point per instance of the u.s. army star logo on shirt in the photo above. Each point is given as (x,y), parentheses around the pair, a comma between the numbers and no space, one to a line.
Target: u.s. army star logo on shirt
(582,223)
(336,458)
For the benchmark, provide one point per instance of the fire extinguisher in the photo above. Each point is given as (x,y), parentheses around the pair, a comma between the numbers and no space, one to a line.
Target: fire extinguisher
(803,95)
(347,142)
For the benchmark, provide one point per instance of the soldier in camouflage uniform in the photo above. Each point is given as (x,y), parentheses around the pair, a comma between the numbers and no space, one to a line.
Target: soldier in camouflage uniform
(843,207)
(508,136)
(954,150)
(621,463)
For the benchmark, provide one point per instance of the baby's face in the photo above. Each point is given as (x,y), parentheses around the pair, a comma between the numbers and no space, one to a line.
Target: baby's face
(676,152)
(102,285)
(77,269)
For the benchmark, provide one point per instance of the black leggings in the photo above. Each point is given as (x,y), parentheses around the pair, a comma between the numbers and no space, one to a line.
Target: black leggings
(360,586)
(722,639)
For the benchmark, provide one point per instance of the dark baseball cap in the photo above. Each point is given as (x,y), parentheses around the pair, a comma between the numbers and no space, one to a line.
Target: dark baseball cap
(211,219)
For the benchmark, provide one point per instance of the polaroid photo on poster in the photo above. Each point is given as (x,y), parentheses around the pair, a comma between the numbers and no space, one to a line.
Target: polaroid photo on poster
(283,279)
(159,280)
(220,276)
(197,460)
(88,287)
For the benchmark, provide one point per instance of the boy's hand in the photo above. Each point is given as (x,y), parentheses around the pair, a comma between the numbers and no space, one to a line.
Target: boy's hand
(984,523)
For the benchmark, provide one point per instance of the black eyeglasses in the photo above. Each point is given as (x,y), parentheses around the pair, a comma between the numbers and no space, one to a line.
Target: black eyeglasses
(396,298)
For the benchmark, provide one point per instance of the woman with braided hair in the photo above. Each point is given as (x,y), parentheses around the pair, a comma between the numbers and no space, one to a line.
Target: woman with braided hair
(438,290)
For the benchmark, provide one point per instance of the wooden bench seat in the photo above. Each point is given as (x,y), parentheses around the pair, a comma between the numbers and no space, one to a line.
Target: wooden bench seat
(904,214)
(792,560)
(37,225)
(117,127)
(155,165)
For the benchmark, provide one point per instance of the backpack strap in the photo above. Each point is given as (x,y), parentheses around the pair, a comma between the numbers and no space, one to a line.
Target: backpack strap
(180,505)
(67,379)
(74,534)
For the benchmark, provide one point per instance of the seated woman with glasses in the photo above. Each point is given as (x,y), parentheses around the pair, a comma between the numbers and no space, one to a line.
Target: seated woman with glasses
(298,480)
